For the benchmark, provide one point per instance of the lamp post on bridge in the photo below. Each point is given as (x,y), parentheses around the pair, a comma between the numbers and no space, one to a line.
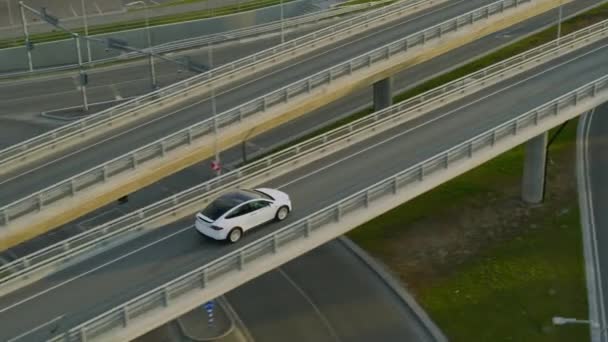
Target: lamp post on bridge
(216,165)
(559,21)
(28,44)
(86,28)
(54,21)
(149,38)
(282,24)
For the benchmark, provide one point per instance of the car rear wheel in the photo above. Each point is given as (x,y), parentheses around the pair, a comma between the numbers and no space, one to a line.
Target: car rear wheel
(235,235)
(282,213)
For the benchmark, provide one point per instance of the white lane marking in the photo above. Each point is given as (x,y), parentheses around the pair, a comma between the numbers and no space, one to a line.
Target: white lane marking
(97,7)
(76,82)
(65,156)
(327,166)
(73,10)
(591,213)
(115,92)
(199,102)
(85,224)
(92,270)
(309,300)
(275,71)
(16,338)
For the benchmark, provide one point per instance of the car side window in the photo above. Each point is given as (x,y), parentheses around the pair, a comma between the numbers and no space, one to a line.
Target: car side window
(258,205)
(244,209)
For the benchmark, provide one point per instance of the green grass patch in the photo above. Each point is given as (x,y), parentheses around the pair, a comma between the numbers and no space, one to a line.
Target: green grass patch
(487,178)
(510,291)
(129,25)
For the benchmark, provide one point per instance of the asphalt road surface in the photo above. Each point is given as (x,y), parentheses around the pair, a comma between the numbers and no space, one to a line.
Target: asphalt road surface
(597,166)
(18,185)
(328,294)
(289,131)
(104,281)
(124,81)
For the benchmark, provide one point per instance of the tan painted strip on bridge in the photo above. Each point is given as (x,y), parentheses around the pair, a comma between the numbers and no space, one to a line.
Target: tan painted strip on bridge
(67,210)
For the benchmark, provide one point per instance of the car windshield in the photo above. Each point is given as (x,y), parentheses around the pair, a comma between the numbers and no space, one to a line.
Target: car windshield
(222,204)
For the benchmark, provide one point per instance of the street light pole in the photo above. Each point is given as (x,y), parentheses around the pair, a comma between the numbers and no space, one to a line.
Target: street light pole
(282,24)
(214,113)
(152,69)
(28,45)
(86,28)
(559,22)
(83,76)
(149,39)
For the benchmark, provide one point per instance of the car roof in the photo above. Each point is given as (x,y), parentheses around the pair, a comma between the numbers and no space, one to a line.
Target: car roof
(230,200)
(242,195)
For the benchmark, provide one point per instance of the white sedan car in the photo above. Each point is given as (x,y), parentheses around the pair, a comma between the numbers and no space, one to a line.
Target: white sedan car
(231,214)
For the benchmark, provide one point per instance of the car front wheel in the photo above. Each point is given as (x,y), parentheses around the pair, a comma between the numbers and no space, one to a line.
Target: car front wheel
(282,213)
(235,235)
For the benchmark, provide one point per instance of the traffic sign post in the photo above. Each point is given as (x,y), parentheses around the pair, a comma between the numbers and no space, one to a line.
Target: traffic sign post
(209,308)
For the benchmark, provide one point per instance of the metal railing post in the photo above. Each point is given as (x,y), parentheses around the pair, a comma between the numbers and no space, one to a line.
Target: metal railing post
(125,316)
(28,45)
(166,296)
(275,243)
(203,279)
(83,75)
(82,333)
(241,260)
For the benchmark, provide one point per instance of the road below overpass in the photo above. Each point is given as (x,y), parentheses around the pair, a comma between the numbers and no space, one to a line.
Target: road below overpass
(596,168)
(81,158)
(327,294)
(108,279)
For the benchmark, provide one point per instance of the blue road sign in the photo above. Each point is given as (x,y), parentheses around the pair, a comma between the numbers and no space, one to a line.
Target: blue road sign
(209,308)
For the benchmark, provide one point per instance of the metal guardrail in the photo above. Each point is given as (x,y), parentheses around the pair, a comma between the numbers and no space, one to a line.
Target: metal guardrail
(112,116)
(237,261)
(201,41)
(51,258)
(185,137)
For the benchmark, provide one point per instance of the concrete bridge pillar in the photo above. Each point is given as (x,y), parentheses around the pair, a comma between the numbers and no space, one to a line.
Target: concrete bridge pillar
(533,183)
(383,93)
